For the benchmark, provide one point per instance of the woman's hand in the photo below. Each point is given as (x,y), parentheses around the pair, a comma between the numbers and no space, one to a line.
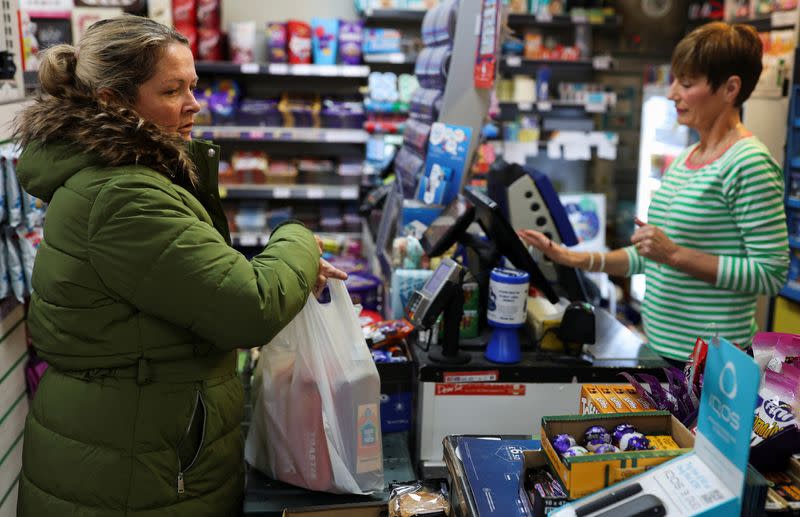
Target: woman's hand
(651,242)
(556,253)
(326,271)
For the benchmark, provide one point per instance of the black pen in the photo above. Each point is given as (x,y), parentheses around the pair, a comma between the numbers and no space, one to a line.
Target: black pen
(610,498)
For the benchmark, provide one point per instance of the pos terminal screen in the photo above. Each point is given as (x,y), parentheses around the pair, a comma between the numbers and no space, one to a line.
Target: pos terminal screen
(434,284)
(445,231)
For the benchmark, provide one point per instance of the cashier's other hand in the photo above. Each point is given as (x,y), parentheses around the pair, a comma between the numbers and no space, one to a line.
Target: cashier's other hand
(326,271)
(651,242)
(541,242)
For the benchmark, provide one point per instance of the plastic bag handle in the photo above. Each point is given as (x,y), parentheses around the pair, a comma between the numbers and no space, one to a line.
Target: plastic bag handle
(338,290)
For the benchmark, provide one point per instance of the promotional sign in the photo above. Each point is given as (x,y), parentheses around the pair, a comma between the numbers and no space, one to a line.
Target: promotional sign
(710,480)
(444,164)
(730,389)
(486,54)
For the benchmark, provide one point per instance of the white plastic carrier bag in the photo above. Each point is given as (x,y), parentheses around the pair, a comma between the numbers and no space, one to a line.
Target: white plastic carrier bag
(316,391)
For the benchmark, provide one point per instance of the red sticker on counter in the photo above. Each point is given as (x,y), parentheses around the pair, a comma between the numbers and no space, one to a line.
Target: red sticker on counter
(483,376)
(480,388)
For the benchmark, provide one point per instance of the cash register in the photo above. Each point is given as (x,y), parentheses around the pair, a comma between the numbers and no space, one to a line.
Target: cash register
(500,242)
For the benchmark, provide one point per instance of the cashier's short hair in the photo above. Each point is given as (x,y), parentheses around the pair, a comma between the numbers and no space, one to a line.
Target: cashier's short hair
(718,51)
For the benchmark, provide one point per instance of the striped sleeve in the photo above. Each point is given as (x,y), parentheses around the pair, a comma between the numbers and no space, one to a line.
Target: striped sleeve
(635,261)
(753,190)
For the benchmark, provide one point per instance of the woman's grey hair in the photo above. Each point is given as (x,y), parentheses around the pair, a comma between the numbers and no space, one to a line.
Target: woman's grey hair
(115,56)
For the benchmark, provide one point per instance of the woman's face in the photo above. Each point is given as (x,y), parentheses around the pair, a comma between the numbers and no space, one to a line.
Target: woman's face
(697,105)
(166,99)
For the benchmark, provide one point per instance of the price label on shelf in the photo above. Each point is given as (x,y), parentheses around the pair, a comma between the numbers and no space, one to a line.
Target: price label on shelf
(348,193)
(525,106)
(257,135)
(514,61)
(302,70)
(315,193)
(327,70)
(783,18)
(249,68)
(397,58)
(544,105)
(281,193)
(579,18)
(223,192)
(279,68)
(228,133)
(544,17)
(343,135)
(601,62)
(353,71)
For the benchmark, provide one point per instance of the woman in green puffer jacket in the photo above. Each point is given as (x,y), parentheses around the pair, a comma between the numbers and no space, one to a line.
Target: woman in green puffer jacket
(138,300)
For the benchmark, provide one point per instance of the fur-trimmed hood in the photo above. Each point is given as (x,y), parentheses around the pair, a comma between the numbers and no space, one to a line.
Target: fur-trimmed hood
(72,134)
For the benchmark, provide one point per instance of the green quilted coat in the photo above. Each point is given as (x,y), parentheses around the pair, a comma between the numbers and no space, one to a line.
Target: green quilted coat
(138,305)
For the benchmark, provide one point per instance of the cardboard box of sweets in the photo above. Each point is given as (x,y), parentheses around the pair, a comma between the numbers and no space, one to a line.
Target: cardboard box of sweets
(537,503)
(583,475)
(599,399)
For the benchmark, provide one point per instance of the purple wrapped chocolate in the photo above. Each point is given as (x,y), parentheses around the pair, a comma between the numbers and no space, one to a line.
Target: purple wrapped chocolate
(562,442)
(595,444)
(276,42)
(576,450)
(351,36)
(621,430)
(597,434)
(606,448)
(634,442)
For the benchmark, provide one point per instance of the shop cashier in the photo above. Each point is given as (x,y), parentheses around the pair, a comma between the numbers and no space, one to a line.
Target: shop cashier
(716,231)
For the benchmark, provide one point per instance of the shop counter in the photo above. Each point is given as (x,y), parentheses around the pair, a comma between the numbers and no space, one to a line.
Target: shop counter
(265,497)
(486,398)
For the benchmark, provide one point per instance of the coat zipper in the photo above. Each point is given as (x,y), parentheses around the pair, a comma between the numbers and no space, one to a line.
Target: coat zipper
(198,402)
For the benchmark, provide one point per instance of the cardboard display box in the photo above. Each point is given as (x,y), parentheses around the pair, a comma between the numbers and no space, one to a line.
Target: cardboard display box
(599,399)
(538,504)
(583,475)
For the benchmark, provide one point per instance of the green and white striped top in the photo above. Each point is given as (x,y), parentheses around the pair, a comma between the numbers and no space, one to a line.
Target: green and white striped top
(733,208)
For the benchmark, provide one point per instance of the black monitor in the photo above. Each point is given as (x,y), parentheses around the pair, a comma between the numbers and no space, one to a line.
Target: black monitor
(508,244)
(448,228)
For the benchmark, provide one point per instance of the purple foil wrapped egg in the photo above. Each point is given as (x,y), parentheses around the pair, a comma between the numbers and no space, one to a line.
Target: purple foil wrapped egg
(562,442)
(606,448)
(621,430)
(634,442)
(576,450)
(595,444)
(596,433)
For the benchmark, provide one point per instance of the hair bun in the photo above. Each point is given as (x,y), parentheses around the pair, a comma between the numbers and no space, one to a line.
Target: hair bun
(57,70)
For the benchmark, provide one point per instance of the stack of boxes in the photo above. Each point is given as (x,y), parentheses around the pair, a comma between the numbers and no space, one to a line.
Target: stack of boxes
(597,399)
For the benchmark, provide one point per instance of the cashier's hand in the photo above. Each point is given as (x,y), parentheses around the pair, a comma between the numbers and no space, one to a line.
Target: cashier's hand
(556,253)
(651,242)
(326,271)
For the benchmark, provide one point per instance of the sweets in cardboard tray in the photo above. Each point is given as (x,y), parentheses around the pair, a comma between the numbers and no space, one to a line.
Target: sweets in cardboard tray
(598,440)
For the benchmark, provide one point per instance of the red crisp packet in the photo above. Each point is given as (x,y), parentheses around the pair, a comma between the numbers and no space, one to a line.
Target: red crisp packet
(183,13)
(696,364)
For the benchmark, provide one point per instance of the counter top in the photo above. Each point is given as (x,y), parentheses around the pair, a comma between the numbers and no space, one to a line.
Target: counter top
(617,349)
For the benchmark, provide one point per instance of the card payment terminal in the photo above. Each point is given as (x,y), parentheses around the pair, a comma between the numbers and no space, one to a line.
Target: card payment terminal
(443,292)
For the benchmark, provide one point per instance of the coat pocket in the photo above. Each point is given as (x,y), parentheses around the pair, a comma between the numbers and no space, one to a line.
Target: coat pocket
(191,443)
